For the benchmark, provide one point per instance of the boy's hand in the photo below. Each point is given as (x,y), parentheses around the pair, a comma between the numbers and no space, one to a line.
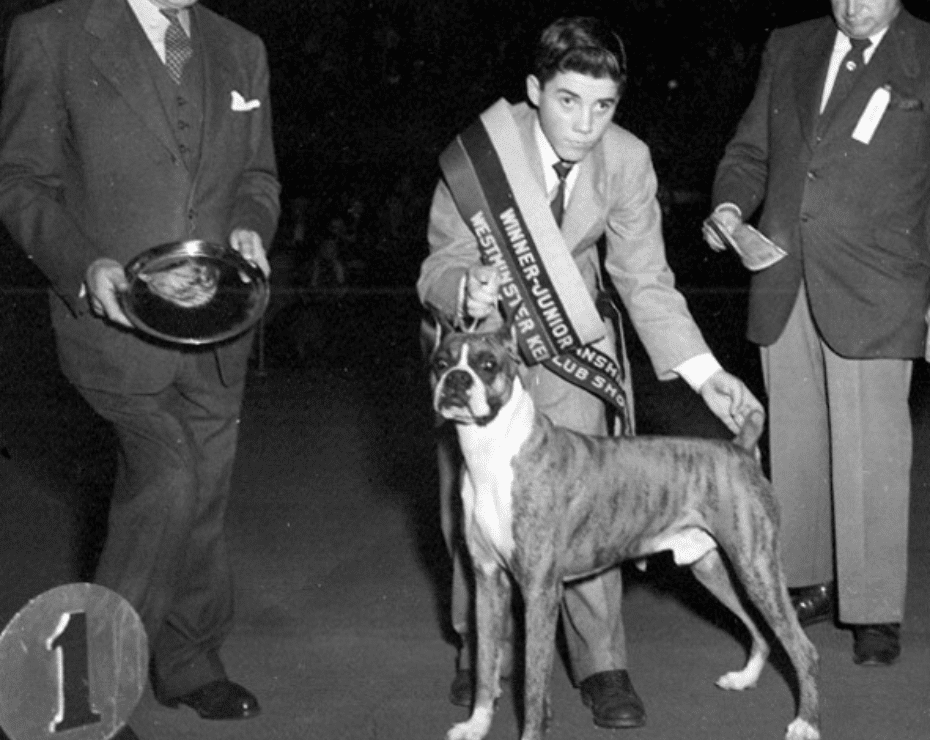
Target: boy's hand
(481,285)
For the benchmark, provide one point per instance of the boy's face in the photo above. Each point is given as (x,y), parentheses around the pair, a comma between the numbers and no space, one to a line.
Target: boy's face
(575,110)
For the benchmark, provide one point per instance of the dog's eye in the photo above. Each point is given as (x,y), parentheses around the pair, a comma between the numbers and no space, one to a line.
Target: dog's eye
(489,366)
(441,364)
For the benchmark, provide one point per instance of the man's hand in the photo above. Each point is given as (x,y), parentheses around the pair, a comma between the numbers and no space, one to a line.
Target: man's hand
(249,244)
(729,399)
(727,218)
(104,279)
(481,285)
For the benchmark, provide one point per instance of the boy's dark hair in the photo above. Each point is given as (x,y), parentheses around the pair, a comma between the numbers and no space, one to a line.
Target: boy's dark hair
(580,44)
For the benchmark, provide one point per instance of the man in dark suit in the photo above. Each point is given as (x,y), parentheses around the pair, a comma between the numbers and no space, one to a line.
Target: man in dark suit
(610,192)
(126,124)
(835,147)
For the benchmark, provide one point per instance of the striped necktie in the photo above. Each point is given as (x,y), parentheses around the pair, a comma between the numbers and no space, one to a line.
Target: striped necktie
(558,201)
(178,47)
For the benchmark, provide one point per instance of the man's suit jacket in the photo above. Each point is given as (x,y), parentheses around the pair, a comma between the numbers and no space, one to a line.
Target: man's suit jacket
(614,195)
(852,216)
(90,168)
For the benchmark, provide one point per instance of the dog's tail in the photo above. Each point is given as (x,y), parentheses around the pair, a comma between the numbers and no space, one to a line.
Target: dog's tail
(750,432)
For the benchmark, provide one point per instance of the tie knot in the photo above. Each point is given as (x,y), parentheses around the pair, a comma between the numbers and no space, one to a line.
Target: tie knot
(171,15)
(562,169)
(860,45)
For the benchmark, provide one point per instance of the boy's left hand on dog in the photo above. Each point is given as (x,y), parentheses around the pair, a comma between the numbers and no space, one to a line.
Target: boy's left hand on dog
(730,400)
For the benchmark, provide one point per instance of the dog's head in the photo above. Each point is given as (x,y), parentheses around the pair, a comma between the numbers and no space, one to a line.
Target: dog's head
(472,373)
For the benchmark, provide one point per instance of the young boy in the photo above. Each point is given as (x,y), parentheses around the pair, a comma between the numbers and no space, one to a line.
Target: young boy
(604,185)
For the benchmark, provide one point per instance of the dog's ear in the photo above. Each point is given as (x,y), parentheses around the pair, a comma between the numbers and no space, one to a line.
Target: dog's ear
(441,324)
(507,335)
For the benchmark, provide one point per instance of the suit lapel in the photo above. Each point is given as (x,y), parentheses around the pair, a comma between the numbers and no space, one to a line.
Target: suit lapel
(120,58)
(219,74)
(810,75)
(585,206)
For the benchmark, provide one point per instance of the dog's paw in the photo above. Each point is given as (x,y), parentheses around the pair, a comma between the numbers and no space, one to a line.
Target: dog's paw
(475,728)
(748,677)
(802,730)
(737,681)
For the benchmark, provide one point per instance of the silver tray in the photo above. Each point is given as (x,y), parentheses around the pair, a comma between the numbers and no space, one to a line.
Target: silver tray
(193,292)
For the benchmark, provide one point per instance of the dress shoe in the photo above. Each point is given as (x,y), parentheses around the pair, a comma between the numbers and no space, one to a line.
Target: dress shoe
(814,604)
(220,699)
(126,734)
(876,644)
(613,700)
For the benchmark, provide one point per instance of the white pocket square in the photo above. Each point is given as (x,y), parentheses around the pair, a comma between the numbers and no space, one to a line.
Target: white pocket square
(241,104)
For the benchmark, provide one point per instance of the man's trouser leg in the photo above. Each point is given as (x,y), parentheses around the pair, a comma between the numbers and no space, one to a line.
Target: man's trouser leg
(592,616)
(841,435)
(165,552)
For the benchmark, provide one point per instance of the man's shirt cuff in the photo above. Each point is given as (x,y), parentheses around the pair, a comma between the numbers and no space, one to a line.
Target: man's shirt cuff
(698,369)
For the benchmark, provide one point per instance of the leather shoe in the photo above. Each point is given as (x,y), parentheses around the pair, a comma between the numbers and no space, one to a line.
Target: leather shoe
(613,700)
(126,734)
(876,644)
(220,699)
(814,604)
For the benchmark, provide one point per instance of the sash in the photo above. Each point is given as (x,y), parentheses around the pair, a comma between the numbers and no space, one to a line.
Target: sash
(543,294)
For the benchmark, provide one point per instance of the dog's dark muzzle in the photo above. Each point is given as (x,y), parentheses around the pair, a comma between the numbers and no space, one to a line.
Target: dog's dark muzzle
(455,388)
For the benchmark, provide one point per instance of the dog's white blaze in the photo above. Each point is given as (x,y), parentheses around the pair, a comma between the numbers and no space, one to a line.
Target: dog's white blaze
(477,398)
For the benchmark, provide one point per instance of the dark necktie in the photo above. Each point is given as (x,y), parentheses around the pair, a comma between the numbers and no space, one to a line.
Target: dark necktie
(178,47)
(558,202)
(846,75)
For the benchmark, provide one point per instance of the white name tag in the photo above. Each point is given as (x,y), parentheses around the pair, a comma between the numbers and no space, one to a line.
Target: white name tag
(872,115)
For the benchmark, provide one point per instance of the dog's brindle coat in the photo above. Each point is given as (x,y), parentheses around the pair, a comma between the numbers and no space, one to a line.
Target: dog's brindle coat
(548,505)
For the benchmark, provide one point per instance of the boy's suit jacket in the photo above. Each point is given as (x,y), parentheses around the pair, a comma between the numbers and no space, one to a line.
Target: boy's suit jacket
(89,168)
(614,195)
(852,216)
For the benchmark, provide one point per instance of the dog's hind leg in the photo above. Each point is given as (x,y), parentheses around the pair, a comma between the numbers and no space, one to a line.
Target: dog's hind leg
(765,583)
(542,610)
(712,573)
(492,608)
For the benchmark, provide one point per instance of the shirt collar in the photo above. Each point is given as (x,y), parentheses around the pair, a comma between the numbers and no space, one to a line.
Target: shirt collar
(549,157)
(841,43)
(153,22)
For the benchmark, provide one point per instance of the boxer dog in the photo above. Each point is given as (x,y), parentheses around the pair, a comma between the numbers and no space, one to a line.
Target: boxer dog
(546,505)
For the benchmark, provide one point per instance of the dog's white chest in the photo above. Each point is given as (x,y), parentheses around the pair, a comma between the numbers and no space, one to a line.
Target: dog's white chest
(487,487)
(487,503)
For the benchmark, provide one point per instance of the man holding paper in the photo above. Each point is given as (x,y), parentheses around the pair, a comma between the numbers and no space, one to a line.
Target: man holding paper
(491,250)
(835,149)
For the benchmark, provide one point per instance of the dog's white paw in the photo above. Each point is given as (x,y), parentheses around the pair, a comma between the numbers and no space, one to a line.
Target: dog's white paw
(737,681)
(475,728)
(802,730)
(747,678)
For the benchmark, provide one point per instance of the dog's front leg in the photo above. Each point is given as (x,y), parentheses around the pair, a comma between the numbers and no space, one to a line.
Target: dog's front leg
(542,599)
(492,609)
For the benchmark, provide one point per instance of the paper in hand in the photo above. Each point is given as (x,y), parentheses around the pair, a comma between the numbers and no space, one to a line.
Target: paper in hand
(754,249)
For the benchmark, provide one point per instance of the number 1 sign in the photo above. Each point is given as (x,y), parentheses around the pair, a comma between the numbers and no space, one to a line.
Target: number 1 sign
(73,665)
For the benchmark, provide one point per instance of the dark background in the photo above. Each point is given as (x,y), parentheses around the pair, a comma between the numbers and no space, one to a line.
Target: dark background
(366,93)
